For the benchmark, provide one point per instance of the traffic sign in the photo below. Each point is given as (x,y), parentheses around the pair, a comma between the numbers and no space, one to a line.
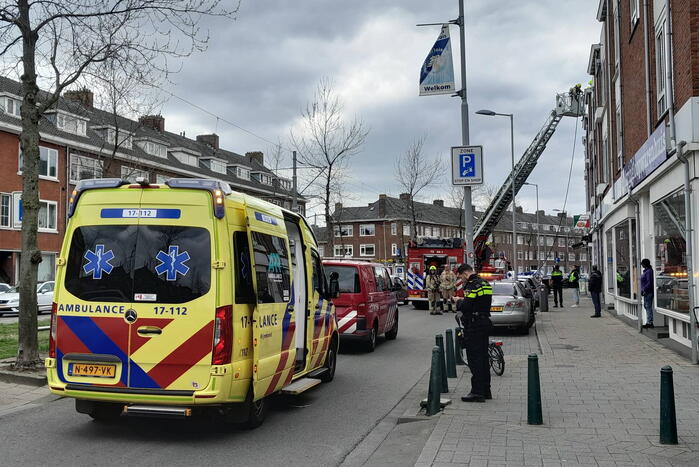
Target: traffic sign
(467,165)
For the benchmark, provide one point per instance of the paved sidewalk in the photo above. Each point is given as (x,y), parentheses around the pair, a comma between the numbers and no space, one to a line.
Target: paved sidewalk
(600,384)
(17,397)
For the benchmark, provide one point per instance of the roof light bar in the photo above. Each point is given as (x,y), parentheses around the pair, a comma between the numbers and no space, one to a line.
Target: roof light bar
(91,184)
(219,190)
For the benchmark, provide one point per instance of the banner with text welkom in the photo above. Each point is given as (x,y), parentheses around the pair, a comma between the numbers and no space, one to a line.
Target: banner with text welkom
(437,72)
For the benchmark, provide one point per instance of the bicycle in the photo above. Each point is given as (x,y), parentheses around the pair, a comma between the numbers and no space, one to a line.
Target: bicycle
(496,356)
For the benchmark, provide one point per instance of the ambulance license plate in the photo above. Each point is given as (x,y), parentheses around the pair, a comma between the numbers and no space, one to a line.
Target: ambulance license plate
(496,308)
(92,369)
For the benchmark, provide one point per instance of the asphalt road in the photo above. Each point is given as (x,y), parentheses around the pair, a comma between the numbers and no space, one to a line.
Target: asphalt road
(318,428)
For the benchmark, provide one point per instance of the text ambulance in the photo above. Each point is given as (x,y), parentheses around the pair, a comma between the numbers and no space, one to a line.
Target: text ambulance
(182,297)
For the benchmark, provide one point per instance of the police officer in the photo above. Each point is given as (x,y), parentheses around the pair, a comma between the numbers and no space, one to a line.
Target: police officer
(557,283)
(432,286)
(447,287)
(474,312)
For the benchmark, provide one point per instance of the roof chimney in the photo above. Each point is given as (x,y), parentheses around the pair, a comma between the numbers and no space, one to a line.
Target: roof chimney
(338,207)
(520,210)
(211,140)
(256,156)
(156,122)
(404,196)
(438,202)
(382,206)
(84,96)
(541,212)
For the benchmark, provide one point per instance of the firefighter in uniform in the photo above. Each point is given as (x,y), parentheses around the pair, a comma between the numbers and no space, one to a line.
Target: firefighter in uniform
(474,313)
(432,285)
(448,288)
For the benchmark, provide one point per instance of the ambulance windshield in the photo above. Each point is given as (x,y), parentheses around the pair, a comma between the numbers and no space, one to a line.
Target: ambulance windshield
(146,263)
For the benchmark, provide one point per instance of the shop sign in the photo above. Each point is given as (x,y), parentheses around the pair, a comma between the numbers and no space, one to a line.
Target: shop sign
(648,158)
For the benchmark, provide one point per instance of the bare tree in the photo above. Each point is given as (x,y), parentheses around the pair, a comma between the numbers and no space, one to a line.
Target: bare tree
(414,173)
(456,200)
(55,44)
(484,195)
(327,142)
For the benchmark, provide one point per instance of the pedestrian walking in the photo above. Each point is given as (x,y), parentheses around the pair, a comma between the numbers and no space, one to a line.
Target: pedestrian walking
(595,288)
(432,286)
(647,291)
(474,315)
(447,288)
(574,283)
(557,286)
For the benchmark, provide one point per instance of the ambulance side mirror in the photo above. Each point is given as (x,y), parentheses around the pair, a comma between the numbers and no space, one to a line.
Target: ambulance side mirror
(334,287)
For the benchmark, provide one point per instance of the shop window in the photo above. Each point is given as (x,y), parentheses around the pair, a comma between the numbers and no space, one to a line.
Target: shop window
(623,264)
(670,251)
(610,262)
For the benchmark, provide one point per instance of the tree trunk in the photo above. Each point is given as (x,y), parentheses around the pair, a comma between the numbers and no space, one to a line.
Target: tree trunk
(328,218)
(28,351)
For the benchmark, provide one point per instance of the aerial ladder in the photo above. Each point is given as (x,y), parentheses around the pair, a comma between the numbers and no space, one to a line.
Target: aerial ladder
(568,104)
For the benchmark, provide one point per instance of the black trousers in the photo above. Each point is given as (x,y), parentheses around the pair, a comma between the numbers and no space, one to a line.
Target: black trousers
(477,334)
(558,296)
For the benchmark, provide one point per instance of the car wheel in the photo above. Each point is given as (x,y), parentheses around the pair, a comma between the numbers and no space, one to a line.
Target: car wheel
(371,338)
(330,362)
(257,410)
(393,333)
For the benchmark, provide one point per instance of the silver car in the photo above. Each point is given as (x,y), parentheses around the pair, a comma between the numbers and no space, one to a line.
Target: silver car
(511,307)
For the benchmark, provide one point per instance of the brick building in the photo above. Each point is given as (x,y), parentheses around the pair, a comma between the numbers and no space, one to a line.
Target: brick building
(380,231)
(643,101)
(79,141)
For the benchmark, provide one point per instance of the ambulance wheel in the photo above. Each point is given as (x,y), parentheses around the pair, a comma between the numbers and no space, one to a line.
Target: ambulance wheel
(371,338)
(100,411)
(330,362)
(257,411)
(393,333)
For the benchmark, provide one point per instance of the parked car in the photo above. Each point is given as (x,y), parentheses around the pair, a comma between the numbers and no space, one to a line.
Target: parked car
(531,288)
(9,301)
(400,288)
(4,287)
(511,307)
(366,306)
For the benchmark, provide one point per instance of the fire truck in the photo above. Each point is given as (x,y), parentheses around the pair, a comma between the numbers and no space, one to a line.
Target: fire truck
(440,252)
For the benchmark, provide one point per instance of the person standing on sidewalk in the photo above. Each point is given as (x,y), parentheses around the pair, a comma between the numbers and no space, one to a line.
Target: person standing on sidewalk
(557,286)
(595,288)
(432,286)
(574,283)
(447,288)
(474,314)
(647,291)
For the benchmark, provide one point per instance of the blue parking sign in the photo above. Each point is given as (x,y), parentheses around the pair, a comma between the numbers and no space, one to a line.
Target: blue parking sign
(467,164)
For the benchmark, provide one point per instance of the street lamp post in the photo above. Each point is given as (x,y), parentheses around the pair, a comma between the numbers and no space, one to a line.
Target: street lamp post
(490,113)
(538,228)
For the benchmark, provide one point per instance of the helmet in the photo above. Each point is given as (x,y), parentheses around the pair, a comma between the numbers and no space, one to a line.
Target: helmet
(433,268)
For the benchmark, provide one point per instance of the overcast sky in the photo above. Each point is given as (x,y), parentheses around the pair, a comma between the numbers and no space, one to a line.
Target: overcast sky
(260,70)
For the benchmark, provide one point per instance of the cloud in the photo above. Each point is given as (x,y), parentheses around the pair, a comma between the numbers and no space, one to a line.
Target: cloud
(261,70)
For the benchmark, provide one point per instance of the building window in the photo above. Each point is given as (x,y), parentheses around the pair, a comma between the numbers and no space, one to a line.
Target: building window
(660,67)
(83,167)
(242,172)
(160,179)
(71,124)
(343,251)
(583,257)
(622,249)
(394,228)
(571,256)
(541,240)
(154,149)
(48,162)
(125,138)
(186,158)
(321,251)
(549,241)
(11,106)
(634,12)
(394,249)
(522,225)
(131,173)
(406,230)
(48,213)
(561,242)
(520,255)
(670,254)
(367,230)
(344,230)
(367,250)
(520,240)
(5,203)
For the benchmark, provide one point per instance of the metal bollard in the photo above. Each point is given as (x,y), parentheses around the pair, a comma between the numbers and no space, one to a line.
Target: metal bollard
(457,348)
(534,416)
(443,367)
(668,420)
(543,298)
(433,392)
(451,362)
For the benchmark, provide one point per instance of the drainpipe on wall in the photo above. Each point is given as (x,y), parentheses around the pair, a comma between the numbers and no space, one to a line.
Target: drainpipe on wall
(669,77)
(688,232)
(646,64)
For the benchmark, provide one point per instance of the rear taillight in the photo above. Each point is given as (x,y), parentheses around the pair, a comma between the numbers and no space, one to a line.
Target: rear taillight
(223,335)
(52,331)
(514,304)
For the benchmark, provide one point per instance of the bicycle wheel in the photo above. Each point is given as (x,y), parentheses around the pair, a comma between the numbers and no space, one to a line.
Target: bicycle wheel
(497,359)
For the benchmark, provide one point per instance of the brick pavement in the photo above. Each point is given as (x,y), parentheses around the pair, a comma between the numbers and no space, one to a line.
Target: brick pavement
(600,384)
(17,397)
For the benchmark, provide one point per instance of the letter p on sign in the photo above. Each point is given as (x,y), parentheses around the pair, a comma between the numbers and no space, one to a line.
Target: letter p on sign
(467,167)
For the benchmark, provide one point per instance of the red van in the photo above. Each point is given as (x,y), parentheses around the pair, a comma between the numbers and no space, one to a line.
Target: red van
(366,306)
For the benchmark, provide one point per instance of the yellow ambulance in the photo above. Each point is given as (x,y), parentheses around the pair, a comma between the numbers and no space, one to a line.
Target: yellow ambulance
(187,297)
